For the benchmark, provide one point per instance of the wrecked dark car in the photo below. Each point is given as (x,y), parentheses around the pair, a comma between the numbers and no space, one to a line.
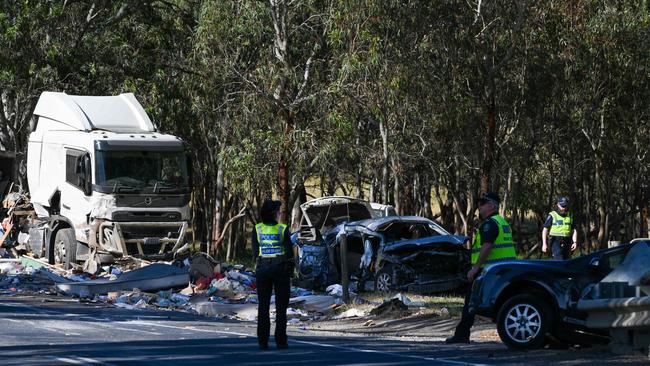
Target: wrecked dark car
(391,252)
(534,302)
(405,253)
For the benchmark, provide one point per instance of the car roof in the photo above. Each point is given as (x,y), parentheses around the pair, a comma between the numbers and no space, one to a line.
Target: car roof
(373,225)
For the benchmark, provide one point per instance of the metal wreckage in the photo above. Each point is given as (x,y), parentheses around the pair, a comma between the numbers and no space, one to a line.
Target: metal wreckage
(387,251)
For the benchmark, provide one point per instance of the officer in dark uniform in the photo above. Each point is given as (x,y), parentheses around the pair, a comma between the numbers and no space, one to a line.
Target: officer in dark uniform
(492,243)
(273,254)
(560,228)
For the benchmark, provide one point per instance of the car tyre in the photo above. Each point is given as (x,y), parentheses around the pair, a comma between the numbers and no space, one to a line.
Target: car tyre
(65,248)
(384,279)
(523,321)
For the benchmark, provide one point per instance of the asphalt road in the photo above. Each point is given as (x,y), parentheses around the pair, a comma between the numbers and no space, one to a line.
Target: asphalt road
(64,332)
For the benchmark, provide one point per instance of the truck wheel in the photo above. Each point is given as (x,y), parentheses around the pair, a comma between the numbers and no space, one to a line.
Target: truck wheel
(384,279)
(65,248)
(523,321)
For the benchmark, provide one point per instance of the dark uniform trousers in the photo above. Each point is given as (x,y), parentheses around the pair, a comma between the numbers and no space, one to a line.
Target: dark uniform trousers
(560,247)
(272,274)
(466,319)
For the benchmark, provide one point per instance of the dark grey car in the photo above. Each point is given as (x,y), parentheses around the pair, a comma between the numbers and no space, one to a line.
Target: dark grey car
(395,252)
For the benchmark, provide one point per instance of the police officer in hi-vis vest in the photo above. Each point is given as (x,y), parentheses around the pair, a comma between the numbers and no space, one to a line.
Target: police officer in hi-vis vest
(492,243)
(273,254)
(560,227)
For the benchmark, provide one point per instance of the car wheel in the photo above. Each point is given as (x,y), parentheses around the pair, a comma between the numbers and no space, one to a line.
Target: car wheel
(65,248)
(523,321)
(384,279)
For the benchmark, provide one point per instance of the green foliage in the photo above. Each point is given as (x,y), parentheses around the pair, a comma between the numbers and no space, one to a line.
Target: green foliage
(396,91)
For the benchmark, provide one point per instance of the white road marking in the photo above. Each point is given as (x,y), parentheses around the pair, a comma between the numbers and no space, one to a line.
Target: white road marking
(133,330)
(350,349)
(81,361)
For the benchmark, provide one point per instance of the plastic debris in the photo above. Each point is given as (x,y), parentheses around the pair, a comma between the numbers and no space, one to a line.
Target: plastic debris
(408,302)
(354,312)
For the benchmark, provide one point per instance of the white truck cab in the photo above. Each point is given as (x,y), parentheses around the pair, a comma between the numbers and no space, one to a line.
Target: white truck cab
(104,182)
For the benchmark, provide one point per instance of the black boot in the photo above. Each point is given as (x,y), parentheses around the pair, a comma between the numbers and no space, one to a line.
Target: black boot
(457,339)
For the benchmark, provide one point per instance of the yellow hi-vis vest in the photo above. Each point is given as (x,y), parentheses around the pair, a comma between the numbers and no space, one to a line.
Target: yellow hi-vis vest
(561,224)
(270,239)
(503,248)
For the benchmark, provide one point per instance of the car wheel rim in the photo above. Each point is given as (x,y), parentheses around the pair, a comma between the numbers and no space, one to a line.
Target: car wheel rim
(383,282)
(59,252)
(523,323)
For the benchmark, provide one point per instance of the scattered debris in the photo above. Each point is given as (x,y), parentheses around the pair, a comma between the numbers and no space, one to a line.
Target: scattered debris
(401,297)
(323,304)
(393,307)
(337,290)
(155,276)
(237,311)
(354,312)
(198,284)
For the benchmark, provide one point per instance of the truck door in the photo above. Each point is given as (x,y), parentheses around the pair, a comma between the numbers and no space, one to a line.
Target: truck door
(76,192)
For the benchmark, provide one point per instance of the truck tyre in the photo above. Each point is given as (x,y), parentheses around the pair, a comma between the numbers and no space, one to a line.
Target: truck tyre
(65,248)
(384,279)
(523,321)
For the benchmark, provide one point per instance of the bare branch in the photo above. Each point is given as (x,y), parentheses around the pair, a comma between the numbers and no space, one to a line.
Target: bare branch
(228,223)
(90,15)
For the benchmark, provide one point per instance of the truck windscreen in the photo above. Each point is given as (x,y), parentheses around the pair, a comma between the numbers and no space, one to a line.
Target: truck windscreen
(142,171)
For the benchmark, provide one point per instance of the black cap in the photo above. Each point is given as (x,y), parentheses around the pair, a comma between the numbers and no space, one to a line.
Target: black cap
(563,202)
(270,206)
(489,197)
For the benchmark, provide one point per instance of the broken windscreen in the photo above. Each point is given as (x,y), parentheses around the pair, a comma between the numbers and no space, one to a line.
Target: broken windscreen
(142,171)
(323,217)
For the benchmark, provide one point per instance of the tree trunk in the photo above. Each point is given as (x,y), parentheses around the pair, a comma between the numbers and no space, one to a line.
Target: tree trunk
(358,192)
(588,215)
(359,173)
(645,221)
(372,190)
(397,196)
(506,195)
(486,167)
(385,161)
(426,197)
(218,212)
(602,204)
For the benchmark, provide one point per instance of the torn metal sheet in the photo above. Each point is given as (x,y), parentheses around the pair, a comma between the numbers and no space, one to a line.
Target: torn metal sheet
(241,311)
(315,303)
(156,276)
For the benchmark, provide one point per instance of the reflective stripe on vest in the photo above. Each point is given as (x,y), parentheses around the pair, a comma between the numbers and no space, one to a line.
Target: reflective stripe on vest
(503,248)
(561,224)
(270,239)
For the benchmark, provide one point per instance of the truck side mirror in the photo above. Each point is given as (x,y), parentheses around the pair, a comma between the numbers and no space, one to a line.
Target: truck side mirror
(82,170)
(87,187)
